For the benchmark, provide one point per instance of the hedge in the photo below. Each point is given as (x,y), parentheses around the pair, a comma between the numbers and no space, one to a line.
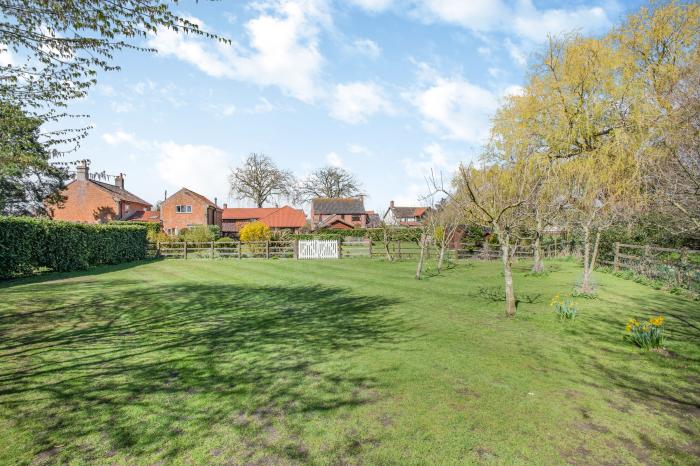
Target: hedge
(27,244)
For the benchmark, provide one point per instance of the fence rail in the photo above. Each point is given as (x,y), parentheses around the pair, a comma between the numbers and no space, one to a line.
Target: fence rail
(680,267)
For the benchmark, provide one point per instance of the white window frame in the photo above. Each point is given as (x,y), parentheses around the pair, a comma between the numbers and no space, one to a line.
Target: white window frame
(187,209)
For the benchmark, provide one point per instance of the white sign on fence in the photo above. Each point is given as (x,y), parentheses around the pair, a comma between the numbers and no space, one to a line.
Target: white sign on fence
(318,249)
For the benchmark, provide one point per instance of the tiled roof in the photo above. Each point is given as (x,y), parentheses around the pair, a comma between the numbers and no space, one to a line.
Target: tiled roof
(333,219)
(326,206)
(273,217)
(120,193)
(147,216)
(405,212)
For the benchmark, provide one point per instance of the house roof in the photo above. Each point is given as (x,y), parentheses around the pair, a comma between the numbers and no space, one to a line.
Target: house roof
(273,217)
(329,205)
(374,220)
(145,216)
(405,212)
(332,220)
(204,199)
(120,193)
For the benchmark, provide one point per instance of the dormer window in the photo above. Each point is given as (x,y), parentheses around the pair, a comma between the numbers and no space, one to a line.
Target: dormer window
(183,209)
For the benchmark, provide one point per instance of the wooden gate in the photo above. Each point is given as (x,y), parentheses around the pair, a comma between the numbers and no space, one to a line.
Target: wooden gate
(318,249)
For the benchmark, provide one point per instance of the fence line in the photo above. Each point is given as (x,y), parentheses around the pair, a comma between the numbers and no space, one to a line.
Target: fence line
(671,265)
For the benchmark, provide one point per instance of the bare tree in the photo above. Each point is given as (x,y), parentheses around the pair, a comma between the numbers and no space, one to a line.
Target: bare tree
(329,182)
(387,230)
(260,180)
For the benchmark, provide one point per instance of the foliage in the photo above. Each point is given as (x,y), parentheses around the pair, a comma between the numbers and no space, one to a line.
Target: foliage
(29,183)
(225,239)
(153,228)
(27,244)
(255,231)
(375,234)
(329,182)
(647,335)
(199,233)
(565,308)
(260,180)
(59,46)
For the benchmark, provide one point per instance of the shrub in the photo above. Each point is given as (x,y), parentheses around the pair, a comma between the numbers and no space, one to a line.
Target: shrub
(255,231)
(153,228)
(225,239)
(565,309)
(647,335)
(29,243)
(198,234)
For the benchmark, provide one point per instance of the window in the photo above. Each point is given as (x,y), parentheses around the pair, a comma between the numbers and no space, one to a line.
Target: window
(183,209)
(355,218)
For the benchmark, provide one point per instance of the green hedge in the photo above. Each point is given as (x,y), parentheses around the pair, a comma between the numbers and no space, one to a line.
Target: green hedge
(27,244)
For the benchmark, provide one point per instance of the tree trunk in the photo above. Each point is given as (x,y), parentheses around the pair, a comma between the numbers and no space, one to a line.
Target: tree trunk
(419,267)
(538,265)
(441,256)
(508,278)
(586,283)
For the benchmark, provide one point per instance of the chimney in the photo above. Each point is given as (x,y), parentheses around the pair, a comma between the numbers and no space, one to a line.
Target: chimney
(216,202)
(225,206)
(391,204)
(82,171)
(119,181)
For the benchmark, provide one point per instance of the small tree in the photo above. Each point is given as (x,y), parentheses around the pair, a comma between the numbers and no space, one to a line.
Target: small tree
(255,231)
(329,182)
(260,180)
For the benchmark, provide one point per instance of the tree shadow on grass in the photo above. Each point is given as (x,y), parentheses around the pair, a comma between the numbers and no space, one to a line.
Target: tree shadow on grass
(157,370)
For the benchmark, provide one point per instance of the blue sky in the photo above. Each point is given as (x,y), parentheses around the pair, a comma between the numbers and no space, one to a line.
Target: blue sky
(388,89)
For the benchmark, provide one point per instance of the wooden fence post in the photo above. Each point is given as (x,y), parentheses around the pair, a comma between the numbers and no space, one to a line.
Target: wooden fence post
(239,250)
(212,250)
(157,249)
(398,250)
(296,249)
(340,251)
(370,247)
(616,261)
(267,249)
(185,249)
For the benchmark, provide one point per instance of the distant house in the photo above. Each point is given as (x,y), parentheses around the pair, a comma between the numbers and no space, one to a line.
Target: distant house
(405,216)
(276,218)
(373,219)
(338,213)
(185,209)
(92,201)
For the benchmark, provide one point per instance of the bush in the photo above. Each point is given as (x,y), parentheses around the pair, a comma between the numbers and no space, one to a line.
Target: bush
(153,228)
(27,244)
(199,233)
(647,335)
(255,231)
(225,239)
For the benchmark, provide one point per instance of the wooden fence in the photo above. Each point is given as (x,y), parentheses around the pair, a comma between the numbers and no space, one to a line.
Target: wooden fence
(676,266)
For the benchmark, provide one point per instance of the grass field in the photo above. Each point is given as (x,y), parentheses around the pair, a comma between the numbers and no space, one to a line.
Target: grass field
(339,362)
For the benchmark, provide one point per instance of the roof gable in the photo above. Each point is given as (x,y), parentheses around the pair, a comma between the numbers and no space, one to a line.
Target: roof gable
(119,193)
(198,196)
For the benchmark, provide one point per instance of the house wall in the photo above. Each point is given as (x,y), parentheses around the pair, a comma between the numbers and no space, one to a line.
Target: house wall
(201,213)
(86,202)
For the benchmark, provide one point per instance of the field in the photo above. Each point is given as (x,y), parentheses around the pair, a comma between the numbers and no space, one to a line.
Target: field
(339,362)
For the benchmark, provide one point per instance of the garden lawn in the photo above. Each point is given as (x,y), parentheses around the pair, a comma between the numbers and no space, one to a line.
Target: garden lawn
(337,362)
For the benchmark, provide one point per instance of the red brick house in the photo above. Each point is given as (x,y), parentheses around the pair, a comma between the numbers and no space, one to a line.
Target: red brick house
(276,218)
(338,213)
(405,216)
(187,208)
(92,201)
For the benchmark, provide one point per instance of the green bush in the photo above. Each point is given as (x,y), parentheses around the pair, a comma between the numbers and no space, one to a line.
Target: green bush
(153,228)
(200,234)
(27,244)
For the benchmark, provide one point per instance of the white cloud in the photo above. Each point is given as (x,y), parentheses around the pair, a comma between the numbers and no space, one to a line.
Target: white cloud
(373,6)
(197,167)
(432,160)
(355,102)
(496,72)
(456,109)
(367,48)
(6,57)
(118,137)
(357,149)
(523,19)
(334,160)
(263,106)
(122,106)
(283,48)
(516,52)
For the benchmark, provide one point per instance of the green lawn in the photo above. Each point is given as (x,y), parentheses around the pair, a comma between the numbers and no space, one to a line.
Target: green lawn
(339,362)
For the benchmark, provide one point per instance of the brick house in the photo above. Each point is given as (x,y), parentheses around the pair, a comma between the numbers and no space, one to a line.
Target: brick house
(338,213)
(92,201)
(276,218)
(405,216)
(185,209)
